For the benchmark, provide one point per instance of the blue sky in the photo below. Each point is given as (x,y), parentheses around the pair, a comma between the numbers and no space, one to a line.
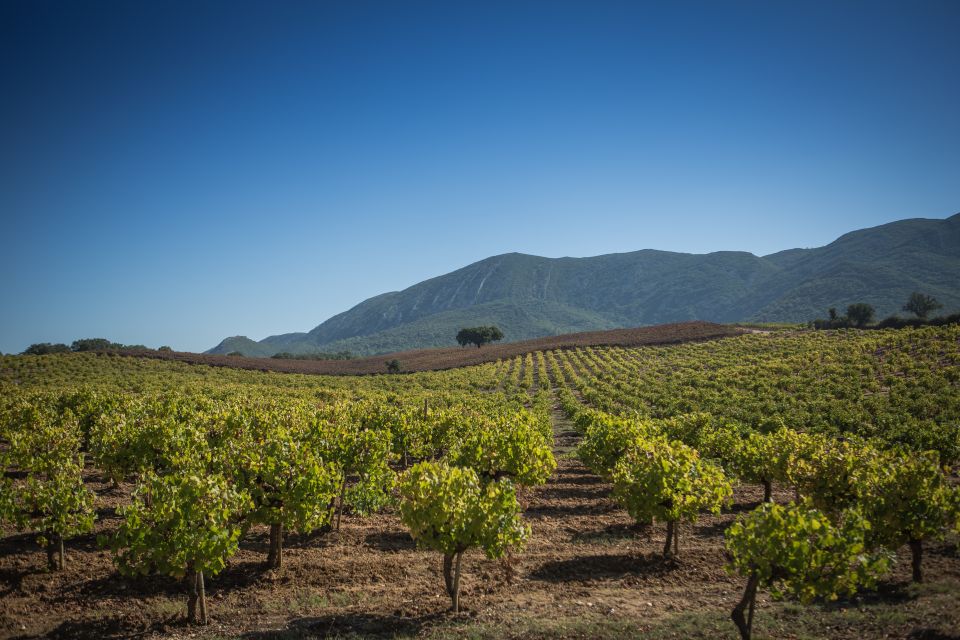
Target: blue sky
(174,173)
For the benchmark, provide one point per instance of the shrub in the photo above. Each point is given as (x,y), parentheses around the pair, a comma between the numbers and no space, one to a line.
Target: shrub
(447,509)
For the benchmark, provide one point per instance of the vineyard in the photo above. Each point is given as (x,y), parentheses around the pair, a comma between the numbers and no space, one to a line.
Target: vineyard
(781,484)
(454,357)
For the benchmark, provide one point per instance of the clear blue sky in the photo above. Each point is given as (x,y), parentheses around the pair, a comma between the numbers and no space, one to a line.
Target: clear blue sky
(174,173)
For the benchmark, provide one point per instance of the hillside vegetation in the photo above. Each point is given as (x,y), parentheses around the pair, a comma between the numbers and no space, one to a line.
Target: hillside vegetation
(530,296)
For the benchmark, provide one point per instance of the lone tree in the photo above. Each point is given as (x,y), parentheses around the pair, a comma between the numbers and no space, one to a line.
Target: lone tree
(860,314)
(94,344)
(920,304)
(479,335)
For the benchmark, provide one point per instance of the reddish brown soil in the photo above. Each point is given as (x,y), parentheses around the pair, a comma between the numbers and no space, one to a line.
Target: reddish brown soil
(452,357)
(587,571)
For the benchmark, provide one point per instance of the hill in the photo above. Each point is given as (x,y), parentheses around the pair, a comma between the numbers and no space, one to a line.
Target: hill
(530,296)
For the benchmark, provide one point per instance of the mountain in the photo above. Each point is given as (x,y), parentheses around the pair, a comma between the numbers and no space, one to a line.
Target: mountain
(530,296)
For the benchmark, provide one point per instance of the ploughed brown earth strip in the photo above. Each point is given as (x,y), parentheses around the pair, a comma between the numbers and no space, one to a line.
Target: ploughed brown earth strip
(453,357)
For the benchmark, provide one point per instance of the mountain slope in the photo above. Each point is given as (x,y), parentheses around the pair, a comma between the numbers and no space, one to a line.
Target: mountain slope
(532,319)
(244,345)
(529,296)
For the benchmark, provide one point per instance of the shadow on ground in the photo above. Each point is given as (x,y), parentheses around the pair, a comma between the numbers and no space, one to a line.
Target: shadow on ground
(602,567)
(350,625)
(562,492)
(615,532)
(106,628)
(390,541)
(574,509)
(931,634)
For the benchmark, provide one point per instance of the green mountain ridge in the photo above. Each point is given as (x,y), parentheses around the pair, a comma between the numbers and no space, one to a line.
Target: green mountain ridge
(530,296)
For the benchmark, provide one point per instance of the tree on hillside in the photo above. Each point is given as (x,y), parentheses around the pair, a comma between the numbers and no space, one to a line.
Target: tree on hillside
(921,304)
(860,314)
(93,344)
(479,335)
(43,348)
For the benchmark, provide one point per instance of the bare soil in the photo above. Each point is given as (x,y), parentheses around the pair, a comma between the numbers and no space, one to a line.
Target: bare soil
(588,571)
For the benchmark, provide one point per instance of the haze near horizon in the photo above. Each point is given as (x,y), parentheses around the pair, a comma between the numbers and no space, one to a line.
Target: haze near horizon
(174,173)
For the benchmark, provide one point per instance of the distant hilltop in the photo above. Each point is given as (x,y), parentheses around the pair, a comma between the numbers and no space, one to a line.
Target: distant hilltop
(530,296)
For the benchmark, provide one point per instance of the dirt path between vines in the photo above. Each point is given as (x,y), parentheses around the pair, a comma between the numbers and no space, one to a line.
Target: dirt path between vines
(587,572)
